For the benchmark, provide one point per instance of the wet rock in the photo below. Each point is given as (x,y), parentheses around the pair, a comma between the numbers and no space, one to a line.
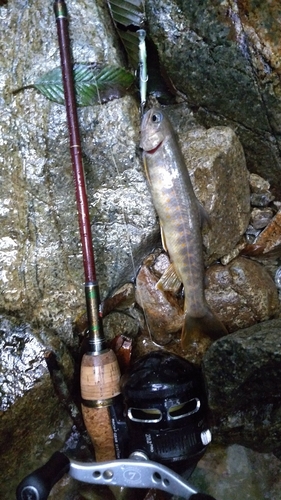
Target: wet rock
(242,293)
(268,242)
(120,323)
(224,56)
(37,410)
(31,430)
(242,372)
(258,184)
(23,363)
(232,472)
(162,311)
(261,199)
(260,218)
(217,167)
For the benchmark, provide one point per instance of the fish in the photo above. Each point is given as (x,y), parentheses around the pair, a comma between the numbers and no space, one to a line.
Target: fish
(180,216)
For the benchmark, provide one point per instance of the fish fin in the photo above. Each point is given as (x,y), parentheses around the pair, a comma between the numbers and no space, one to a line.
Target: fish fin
(208,326)
(204,216)
(169,280)
(163,239)
(146,169)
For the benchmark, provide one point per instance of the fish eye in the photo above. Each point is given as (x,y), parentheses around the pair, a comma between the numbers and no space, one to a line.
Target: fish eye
(157,117)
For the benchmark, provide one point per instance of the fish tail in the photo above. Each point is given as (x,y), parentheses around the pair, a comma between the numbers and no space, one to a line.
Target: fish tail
(208,326)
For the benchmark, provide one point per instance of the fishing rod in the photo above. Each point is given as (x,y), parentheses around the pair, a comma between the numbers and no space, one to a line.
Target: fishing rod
(100,374)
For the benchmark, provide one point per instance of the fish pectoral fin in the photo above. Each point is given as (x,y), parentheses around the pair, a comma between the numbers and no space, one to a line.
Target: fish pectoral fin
(146,169)
(169,280)
(204,216)
(163,239)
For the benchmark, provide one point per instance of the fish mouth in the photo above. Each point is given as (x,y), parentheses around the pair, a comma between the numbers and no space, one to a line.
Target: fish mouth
(152,151)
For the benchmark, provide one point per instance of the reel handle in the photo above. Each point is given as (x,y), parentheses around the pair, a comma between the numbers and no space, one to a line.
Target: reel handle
(128,473)
(38,484)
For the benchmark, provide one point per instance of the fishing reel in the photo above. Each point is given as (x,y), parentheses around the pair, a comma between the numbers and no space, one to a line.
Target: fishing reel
(163,413)
(160,431)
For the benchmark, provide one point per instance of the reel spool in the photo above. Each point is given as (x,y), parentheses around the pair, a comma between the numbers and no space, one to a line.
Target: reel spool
(166,411)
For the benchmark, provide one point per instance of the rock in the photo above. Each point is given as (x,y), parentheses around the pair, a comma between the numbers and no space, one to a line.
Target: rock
(258,184)
(217,167)
(243,377)
(268,242)
(242,293)
(232,472)
(162,311)
(224,56)
(260,218)
(23,364)
(120,323)
(261,199)
(31,430)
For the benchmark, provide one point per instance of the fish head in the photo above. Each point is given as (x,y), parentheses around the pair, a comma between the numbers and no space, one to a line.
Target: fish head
(154,128)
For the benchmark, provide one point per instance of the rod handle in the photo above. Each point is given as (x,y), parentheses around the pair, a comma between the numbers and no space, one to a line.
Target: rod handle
(99,381)
(38,484)
(99,428)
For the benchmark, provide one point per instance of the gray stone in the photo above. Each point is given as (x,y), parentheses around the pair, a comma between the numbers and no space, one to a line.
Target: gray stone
(232,472)
(243,374)
(242,293)
(217,167)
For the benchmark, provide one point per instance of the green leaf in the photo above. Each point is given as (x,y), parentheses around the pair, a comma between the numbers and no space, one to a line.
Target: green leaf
(128,16)
(93,84)
(127,12)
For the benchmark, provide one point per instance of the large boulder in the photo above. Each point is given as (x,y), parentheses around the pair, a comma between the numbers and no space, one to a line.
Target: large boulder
(243,374)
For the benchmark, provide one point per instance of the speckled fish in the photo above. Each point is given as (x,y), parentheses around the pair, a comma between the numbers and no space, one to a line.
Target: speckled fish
(180,219)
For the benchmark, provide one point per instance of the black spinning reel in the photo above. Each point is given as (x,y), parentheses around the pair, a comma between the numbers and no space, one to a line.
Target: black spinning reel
(160,421)
(164,413)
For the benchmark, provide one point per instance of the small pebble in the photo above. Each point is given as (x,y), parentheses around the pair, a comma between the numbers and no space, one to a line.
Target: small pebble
(231,255)
(258,184)
(261,217)
(251,234)
(261,199)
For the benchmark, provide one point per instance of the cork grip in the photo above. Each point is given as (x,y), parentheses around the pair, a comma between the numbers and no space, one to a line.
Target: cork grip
(98,424)
(100,378)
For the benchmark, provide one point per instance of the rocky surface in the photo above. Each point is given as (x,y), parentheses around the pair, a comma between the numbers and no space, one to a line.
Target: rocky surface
(242,372)
(217,167)
(232,472)
(242,293)
(224,57)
